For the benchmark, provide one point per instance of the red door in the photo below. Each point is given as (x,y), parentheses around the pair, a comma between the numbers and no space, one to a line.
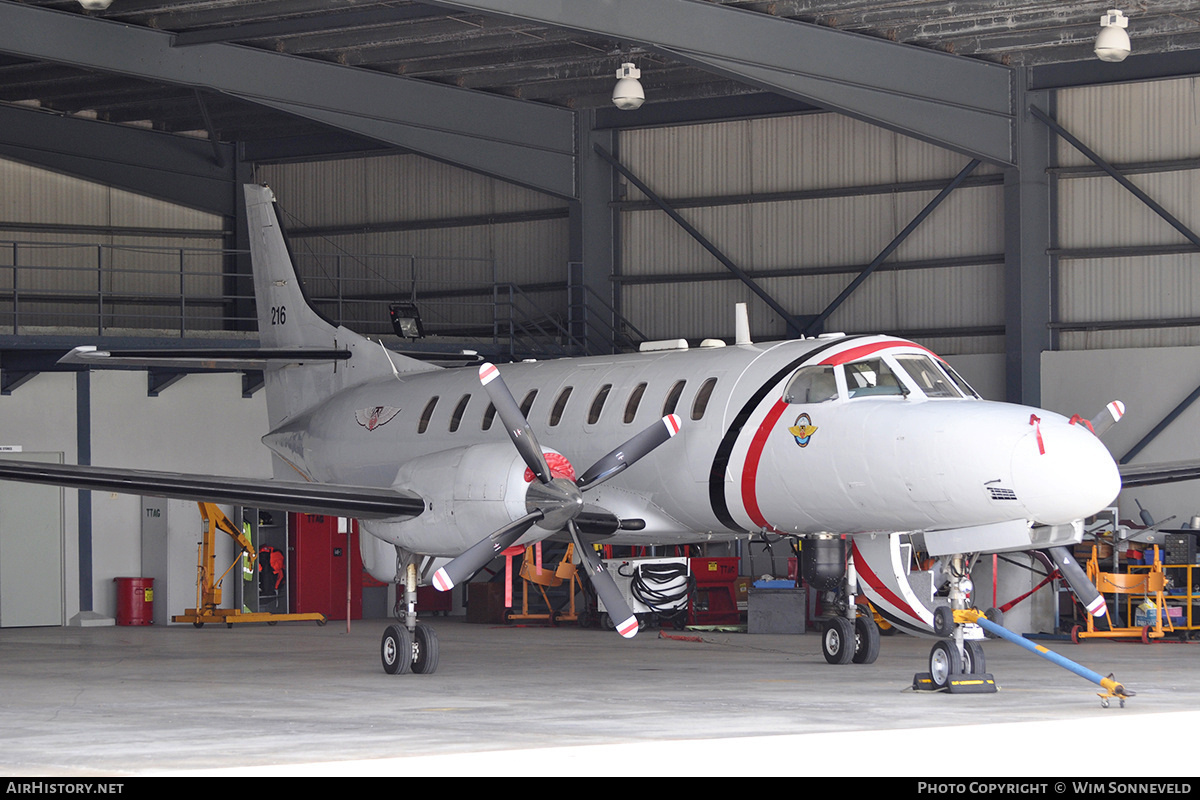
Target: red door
(319,571)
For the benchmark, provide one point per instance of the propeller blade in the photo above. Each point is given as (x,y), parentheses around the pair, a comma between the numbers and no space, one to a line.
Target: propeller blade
(1084,589)
(478,555)
(618,460)
(1111,414)
(514,421)
(606,587)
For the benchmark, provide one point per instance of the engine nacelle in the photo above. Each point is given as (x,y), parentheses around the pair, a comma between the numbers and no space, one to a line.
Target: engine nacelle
(469,492)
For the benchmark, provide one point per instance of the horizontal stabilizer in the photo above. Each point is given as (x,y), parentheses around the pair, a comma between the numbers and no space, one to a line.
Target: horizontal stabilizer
(229,358)
(360,502)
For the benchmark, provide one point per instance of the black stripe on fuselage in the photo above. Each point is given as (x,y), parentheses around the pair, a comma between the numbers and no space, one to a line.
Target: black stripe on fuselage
(716,475)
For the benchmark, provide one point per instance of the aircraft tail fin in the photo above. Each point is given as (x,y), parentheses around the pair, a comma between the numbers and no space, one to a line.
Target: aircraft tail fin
(286,319)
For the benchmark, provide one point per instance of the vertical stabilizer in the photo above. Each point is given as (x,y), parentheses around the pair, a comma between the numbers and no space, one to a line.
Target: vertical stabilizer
(287,320)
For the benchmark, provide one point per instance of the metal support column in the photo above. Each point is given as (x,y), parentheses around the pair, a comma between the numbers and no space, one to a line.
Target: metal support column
(593,232)
(1028,264)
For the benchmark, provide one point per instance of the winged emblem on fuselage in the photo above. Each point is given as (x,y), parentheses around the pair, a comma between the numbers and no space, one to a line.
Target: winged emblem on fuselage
(372,418)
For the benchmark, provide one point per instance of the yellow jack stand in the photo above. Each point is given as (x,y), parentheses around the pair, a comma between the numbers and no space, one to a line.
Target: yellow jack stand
(1147,584)
(531,575)
(208,591)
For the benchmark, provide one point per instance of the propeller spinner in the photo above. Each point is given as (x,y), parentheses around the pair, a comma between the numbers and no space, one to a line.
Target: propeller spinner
(555,501)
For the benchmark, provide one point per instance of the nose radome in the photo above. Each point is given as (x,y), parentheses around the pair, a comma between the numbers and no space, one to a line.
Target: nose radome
(1062,472)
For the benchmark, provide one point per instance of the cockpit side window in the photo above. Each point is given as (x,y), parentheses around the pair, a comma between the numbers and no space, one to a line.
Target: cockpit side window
(872,377)
(931,380)
(812,385)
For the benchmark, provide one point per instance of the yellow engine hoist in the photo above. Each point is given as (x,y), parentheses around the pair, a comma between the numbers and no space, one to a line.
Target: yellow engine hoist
(208,591)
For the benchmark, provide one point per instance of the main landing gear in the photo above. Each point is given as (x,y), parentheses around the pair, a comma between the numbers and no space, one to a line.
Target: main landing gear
(845,642)
(409,646)
(849,637)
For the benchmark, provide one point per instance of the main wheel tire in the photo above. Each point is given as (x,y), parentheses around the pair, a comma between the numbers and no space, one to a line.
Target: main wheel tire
(944,662)
(837,640)
(866,641)
(974,661)
(425,650)
(396,650)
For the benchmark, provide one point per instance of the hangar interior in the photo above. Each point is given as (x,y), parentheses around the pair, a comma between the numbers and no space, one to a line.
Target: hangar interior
(966,175)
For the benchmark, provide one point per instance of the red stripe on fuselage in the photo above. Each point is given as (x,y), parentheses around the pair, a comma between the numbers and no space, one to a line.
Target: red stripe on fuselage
(864,572)
(867,349)
(759,442)
(750,470)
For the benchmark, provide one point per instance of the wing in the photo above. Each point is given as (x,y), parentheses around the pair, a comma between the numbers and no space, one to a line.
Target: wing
(360,502)
(1153,474)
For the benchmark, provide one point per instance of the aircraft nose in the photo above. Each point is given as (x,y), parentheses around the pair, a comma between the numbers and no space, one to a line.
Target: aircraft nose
(1062,472)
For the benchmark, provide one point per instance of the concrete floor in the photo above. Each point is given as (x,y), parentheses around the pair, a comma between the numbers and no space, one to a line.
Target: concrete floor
(297,699)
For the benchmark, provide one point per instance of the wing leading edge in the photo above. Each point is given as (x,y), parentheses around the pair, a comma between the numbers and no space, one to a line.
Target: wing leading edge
(360,502)
(1154,474)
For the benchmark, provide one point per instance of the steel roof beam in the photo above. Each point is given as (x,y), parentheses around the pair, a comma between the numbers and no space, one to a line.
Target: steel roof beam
(525,143)
(177,169)
(959,103)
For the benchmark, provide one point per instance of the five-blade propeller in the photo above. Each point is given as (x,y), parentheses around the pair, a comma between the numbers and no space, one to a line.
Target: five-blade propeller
(555,501)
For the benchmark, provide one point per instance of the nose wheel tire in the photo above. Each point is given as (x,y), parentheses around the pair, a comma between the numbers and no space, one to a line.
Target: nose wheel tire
(944,661)
(974,662)
(396,650)
(837,640)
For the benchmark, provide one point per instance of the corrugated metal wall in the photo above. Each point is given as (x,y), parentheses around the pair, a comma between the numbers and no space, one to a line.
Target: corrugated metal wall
(849,191)
(1124,272)
(65,235)
(424,224)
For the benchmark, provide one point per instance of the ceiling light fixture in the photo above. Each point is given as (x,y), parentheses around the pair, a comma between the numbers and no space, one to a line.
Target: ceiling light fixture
(1113,42)
(95,5)
(627,94)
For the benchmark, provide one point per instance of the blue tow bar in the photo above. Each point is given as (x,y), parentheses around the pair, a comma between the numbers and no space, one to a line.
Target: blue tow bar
(1110,686)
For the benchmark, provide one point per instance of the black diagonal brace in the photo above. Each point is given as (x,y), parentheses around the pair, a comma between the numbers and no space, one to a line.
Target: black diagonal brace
(815,325)
(794,325)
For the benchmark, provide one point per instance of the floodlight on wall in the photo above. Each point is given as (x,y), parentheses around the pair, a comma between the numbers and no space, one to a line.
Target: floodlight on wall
(406,320)
(627,94)
(95,5)
(1113,42)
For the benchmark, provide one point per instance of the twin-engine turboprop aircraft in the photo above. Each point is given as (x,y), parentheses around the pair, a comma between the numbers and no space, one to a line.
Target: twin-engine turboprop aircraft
(868,439)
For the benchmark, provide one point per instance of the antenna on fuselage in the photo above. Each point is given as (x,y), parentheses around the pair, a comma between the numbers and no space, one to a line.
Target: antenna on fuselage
(391,363)
(741,324)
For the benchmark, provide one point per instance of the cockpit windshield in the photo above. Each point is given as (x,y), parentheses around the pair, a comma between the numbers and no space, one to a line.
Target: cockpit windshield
(931,380)
(872,377)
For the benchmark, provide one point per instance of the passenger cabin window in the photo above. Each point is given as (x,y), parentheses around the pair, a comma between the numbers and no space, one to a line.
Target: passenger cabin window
(673,398)
(459,410)
(700,404)
(598,404)
(931,380)
(635,399)
(811,385)
(872,378)
(427,415)
(527,403)
(560,405)
(489,416)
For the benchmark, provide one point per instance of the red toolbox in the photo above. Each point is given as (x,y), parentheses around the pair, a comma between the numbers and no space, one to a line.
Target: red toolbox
(714,601)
